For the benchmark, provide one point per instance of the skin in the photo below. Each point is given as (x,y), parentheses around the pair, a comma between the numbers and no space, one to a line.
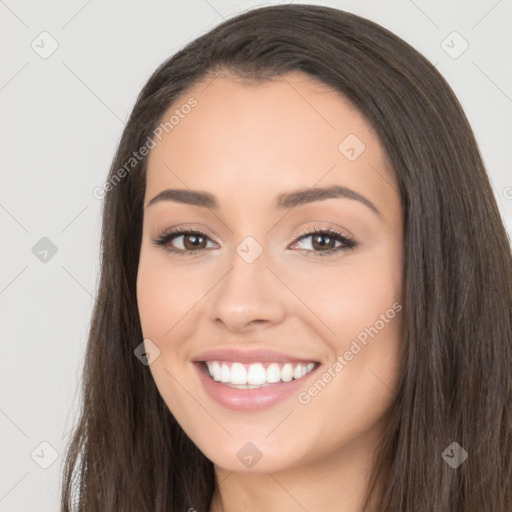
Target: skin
(246,144)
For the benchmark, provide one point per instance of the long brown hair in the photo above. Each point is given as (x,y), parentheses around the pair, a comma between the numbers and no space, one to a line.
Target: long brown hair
(128,452)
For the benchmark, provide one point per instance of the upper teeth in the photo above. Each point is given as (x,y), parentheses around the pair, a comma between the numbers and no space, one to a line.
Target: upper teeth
(256,374)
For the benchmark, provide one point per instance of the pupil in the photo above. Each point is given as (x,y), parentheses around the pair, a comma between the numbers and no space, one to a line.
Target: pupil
(322,237)
(195,237)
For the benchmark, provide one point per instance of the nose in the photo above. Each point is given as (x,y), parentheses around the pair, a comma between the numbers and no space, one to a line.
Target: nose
(248,294)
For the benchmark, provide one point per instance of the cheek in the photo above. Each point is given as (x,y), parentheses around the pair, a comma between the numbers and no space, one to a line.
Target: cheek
(152,295)
(366,300)
(352,296)
(358,384)
(163,298)
(168,301)
(163,295)
(360,302)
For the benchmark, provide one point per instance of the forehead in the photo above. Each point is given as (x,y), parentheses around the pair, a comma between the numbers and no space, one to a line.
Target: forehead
(258,139)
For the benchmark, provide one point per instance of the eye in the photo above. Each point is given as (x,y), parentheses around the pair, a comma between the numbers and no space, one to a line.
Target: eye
(325,240)
(193,241)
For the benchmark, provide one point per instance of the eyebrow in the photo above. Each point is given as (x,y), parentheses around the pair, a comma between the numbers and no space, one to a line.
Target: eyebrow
(285,200)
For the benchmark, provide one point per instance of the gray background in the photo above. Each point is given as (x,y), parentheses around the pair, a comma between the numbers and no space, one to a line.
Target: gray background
(61,118)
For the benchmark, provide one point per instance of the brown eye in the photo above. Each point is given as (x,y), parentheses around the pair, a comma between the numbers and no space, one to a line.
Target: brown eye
(323,242)
(191,241)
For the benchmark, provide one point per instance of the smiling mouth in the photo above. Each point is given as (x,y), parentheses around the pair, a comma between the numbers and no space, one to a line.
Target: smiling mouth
(256,375)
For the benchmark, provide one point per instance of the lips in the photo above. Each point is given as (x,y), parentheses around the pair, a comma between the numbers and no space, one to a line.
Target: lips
(249,356)
(251,380)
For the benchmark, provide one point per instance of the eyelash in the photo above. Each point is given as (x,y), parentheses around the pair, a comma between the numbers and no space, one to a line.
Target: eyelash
(166,238)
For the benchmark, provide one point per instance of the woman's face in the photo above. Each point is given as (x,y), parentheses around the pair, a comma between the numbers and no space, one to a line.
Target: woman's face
(259,295)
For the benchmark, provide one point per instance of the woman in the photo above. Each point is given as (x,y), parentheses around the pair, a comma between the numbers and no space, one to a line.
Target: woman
(306,286)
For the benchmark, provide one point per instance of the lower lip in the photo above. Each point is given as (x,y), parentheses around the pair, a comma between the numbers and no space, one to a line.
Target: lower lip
(249,399)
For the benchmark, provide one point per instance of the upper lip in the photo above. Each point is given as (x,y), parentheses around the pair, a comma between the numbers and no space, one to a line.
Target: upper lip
(248,356)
